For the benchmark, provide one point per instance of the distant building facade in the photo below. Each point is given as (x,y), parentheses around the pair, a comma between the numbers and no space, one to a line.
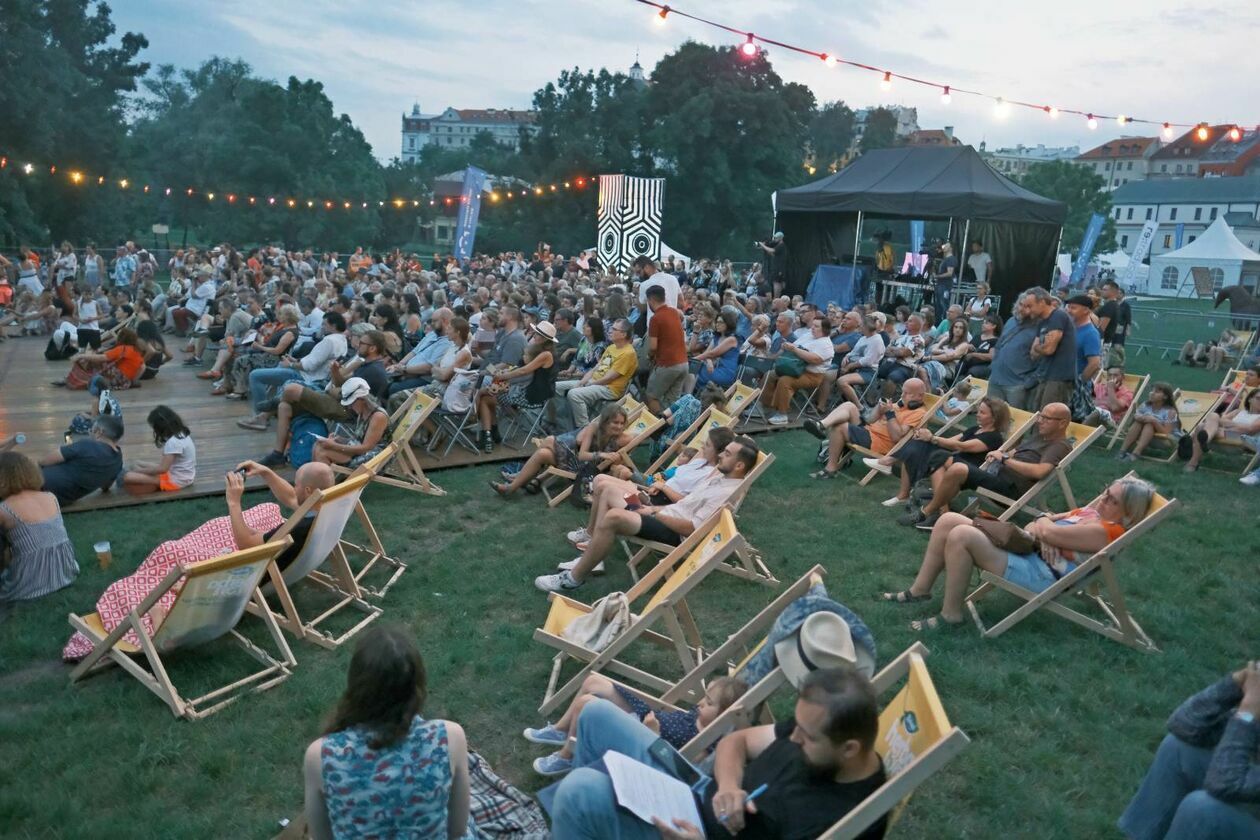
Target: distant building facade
(1193,203)
(1121,161)
(457,127)
(1013,162)
(939,137)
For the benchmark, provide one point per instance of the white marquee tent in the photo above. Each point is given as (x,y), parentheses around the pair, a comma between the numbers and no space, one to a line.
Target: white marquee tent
(1228,261)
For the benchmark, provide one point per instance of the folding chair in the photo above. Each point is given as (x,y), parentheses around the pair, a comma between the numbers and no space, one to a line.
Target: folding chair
(748,562)
(212,598)
(527,420)
(1083,581)
(916,739)
(931,404)
(694,436)
(640,429)
(1193,407)
(1137,384)
(1080,437)
(1232,385)
(332,510)
(373,552)
(454,425)
(632,406)
(663,593)
(398,465)
(978,392)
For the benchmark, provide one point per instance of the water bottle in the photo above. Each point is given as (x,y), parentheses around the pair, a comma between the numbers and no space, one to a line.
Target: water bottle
(669,473)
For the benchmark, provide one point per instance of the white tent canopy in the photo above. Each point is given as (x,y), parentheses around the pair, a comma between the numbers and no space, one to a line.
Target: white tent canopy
(1228,261)
(666,253)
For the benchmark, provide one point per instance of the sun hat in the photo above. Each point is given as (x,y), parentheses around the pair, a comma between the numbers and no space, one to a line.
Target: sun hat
(824,640)
(354,388)
(546,329)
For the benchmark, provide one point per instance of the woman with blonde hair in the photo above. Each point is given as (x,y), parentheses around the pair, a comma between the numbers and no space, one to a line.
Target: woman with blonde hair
(259,356)
(40,558)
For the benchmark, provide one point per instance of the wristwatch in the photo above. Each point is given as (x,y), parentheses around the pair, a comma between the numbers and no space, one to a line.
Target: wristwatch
(1245,717)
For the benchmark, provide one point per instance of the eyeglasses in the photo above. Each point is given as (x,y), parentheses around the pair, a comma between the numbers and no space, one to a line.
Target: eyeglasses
(1060,419)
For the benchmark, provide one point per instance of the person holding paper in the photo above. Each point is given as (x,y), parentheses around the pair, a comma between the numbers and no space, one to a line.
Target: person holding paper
(817,766)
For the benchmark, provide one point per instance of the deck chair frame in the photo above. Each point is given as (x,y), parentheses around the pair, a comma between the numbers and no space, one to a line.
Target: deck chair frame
(1084,437)
(1211,401)
(372,553)
(645,424)
(740,399)
(931,404)
(693,436)
(668,605)
(111,648)
(401,467)
(1137,383)
(1119,626)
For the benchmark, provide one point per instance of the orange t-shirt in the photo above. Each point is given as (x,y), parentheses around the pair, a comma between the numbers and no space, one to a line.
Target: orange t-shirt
(881,443)
(666,327)
(127,359)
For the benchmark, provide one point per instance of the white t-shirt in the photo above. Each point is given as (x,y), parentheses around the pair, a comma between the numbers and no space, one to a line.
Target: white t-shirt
(88,315)
(200,298)
(668,282)
(689,475)
(823,347)
(184,468)
(980,263)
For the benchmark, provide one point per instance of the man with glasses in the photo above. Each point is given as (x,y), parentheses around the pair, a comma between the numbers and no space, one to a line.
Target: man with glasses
(1010,473)
(415,367)
(606,381)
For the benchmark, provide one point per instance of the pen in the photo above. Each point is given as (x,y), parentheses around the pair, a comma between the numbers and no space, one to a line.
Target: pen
(760,789)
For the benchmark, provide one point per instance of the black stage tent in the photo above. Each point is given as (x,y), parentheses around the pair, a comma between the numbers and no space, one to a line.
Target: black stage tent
(822,221)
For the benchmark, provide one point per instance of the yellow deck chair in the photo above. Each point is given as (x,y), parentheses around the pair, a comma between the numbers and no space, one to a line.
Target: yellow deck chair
(694,436)
(1137,384)
(640,429)
(916,740)
(212,598)
(1193,407)
(631,405)
(1119,624)
(332,510)
(660,597)
(402,467)
(1232,384)
(1081,437)
(740,399)
(747,563)
(1232,396)
(979,390)
(931,404)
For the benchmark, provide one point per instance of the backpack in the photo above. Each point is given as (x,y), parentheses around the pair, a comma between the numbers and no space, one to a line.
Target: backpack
(303,431)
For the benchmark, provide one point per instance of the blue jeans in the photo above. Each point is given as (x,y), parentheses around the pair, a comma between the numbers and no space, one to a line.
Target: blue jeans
(265,378)
(409,384)
(1170,804)
(585,805)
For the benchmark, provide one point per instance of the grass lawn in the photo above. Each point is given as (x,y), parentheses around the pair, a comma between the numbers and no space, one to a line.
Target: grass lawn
(1063,723)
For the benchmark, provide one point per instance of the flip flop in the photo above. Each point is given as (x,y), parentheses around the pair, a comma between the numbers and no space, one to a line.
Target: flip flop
(903,597)
(935,624)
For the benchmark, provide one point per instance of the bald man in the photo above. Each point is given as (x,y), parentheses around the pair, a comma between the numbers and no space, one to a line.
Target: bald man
(309,478)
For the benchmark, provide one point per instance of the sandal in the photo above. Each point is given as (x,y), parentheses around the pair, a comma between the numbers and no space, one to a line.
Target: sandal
(903,597)
(533,486)
(824,473)
(934,624)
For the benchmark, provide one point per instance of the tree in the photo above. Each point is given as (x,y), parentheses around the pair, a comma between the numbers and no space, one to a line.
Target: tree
(1084,194)
(880,131)
(831,133)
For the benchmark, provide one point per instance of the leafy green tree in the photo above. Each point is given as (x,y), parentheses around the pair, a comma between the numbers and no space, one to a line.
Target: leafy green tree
(881,130)
(831,133)
(1083,192)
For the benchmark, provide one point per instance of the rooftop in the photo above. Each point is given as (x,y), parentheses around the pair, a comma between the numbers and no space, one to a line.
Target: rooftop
(932,137)
(1189,191)
(1124,147)
(1189,146)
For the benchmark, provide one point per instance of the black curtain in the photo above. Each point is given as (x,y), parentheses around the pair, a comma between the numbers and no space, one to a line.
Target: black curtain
(812,239)
(1023,255)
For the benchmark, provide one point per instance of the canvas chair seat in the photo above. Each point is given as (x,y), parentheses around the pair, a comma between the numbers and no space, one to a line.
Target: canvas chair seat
(740,399)
(213,596)
(398,464)
(694,436)
(1193,407)
(1137,384)
(659,598)
(640,430)
(1080,436)
(1094,579)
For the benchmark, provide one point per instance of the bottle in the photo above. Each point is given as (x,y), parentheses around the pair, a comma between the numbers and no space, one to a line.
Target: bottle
(669,473)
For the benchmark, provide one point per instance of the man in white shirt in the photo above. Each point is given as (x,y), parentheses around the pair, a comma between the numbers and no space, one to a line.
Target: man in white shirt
(670,524)
(816,352)
(645,270)
(981,263)
(313,369)
(198,299)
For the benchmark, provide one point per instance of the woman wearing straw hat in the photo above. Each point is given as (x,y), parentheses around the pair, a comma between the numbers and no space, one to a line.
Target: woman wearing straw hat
(529,385)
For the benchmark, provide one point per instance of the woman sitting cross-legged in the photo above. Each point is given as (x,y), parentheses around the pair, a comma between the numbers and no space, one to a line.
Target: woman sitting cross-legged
(675,727)
(957,547)
(41,558)
(1157,415)
(597,442)
(926,454)
(364,438)
(380,769)
(117,369)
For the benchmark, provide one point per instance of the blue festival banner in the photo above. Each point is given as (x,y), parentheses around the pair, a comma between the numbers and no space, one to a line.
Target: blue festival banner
(469,212)
(1087,247)
(1179,233)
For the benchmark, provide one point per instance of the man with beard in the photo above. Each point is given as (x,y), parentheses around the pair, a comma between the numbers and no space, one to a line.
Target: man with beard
(817,766)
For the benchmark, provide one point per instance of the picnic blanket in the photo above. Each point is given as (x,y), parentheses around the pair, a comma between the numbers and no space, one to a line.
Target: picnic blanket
(123,595)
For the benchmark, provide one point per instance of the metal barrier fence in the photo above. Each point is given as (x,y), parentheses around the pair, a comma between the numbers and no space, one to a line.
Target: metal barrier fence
(1165,330)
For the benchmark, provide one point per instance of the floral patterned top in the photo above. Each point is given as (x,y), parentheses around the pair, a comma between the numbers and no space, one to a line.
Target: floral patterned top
(398,791)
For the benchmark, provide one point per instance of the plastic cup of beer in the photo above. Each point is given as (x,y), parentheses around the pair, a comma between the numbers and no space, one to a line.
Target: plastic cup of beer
(103,554)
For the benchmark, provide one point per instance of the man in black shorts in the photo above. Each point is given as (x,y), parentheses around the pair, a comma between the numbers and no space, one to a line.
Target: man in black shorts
(1009,473)
(669,524)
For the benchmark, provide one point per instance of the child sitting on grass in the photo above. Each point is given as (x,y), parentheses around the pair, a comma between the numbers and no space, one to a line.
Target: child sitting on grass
(676,727)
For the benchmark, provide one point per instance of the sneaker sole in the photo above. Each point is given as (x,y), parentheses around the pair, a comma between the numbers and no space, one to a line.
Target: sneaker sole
(542,741)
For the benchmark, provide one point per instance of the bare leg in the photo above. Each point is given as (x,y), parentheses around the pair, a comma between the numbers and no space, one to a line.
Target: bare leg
(138,482)
(284,415)
(1212,426)
(542,458)
(934,556)
(903,489)
(1145,436)
(615,523)
(952,479)
(836,444)
(593,686)
(966,547)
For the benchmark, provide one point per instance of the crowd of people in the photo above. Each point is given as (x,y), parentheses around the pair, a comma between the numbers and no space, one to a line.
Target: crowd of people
(327,348)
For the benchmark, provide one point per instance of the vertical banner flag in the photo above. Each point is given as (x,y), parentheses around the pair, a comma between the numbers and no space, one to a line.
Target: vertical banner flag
(1087,247)
(629,219)
(1140,250)
(469,212)
(1179,233)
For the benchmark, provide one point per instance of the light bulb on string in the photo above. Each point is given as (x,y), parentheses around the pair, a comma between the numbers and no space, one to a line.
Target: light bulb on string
(1001,108)
(886,82)
(749,47)
(1122,120)
(1168,131)
(1091,122)
(1202,132)
(662,15)
(76,177)
(829,60)
(945,97)
(1235,134)
(1052,112)
(28,168)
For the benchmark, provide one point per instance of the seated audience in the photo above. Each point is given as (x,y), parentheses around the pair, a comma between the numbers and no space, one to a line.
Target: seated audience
(719,362)
(117,369)
(261,355)
(416,368)
(1064,540)
(597,443)
(36,556)
(975,362)
(1240,425)
(669,524)
(807,358)
(380,769)
(844,425)
(313,369)
(862,362)
(606,381)
(903,355)
(178,467)
(531,383)
(846,334)
(940,361)
(94,463)
(1211,354)
(1205,780)
(1158,415)
(1112,399)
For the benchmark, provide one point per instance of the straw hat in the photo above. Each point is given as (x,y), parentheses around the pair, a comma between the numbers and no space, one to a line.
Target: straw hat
(824,640)
(546,329)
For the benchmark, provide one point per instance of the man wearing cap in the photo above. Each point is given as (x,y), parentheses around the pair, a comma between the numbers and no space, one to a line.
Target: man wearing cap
(815,766)
(1080,308)
(776,261)
(94,463)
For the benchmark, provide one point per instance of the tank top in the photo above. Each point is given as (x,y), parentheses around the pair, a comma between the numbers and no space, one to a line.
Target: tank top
(542,385)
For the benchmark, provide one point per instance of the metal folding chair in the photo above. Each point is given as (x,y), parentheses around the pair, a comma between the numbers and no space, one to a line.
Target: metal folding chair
(453,425)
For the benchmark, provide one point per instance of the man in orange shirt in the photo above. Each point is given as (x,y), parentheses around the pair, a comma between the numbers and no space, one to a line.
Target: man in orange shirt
(668,351)
(892,422)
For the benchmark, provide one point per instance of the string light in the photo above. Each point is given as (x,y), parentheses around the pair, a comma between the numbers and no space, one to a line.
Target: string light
(28,168)
(1091,122)
(292,202)
(660,17)
(1235,134)
(886,82)
(210,196)
(1052,111)
(945,97)
(1202,133)
(1168,131)
(829,60)
(123,183)
(1000,108)
(76,177)
(1121,120)
(168,190)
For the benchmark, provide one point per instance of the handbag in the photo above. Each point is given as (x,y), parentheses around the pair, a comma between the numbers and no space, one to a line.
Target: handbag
(789,365)
(1006,535)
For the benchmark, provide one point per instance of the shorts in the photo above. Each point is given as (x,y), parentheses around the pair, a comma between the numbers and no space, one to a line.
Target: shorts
(320,403)
(1028,571)
(867,374)
(999,483)
(666,383)
(859,435)
(165,483)
(652,529)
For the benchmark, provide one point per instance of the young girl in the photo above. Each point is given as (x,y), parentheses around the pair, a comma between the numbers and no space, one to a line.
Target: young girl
(675,727)
(178,466)
(1157,415)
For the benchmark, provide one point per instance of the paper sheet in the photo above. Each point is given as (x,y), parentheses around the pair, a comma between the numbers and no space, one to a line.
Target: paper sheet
(647,792)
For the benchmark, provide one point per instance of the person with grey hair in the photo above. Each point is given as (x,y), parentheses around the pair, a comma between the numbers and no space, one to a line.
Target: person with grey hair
(1063,541)
(94,463)
(1054,349)
(1012,372)
(776,261)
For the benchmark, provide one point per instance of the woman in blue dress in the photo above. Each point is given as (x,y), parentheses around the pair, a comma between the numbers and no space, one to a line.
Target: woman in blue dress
(720,362)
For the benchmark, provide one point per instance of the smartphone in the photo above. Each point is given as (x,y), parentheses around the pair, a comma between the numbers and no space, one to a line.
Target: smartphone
(674,764)
(240,471)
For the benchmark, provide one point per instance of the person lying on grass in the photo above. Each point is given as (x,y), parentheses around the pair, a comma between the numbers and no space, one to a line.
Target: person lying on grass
(1063,540)
(676,727)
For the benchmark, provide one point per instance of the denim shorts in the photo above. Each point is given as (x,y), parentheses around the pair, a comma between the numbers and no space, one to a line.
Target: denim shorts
(1028,571)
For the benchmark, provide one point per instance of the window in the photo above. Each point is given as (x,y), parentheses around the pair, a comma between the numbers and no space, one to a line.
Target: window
(1172,215)
(1179,167)
(1167,241)
(1163,167)
(1108,166)
(1218,278)
(1198,213)
(1129,168)
(1168,280)
(1192,238)
(1124,241)
(1212,214)
(1149,211)
(1130,216)
(1117,212)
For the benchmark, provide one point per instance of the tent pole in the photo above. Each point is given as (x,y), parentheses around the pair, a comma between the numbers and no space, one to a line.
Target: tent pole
(1054,271)
(857,245)
(962,260)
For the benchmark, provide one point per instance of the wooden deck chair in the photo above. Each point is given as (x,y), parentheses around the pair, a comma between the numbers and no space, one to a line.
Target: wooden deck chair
(747,563)
(740,399)
(1137,384)
(1248,338)
(631,405)
(373,553)
(1081,438)
(640,429)
(694,436)
(1193,407)
(931,404)
(333,508)
(916,740)
(1089,580)
(402,466)
(213,595)
(979,390)
(662,593)
(1232,384)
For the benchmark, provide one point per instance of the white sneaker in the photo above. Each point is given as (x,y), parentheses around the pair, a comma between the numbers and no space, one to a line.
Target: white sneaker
(578,536)
(570,565)
(1251,479)
(562,582)
(778,420)
(874,463)
(894,502)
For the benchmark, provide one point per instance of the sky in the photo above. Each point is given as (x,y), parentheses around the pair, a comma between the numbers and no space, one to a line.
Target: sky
(1167,60)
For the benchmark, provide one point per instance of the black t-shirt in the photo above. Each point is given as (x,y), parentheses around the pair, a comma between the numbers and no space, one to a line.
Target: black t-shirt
(299,533)
(991,440)
(1121,315)
(796,805)
(374,374)
(1061,367)
(946,264)
(776,263)
(89,465)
